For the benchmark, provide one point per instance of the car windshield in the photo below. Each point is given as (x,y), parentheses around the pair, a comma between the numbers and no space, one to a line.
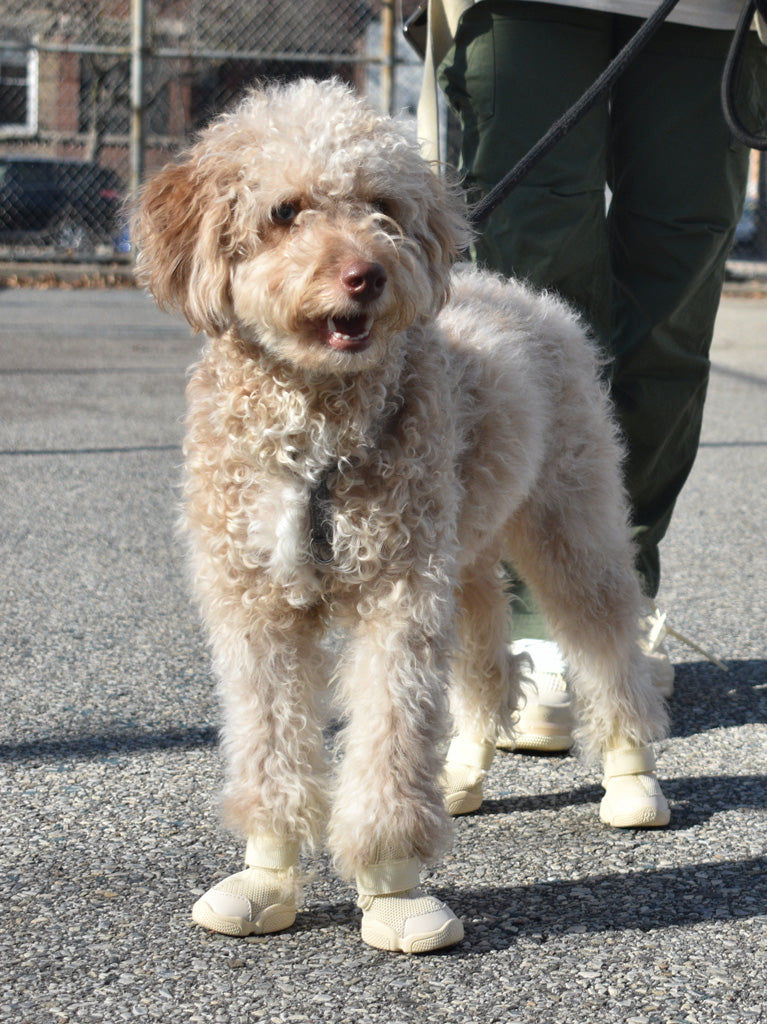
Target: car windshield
(25,173)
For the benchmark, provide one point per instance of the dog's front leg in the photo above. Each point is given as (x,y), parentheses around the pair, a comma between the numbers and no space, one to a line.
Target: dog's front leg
(270,681)
(389,815)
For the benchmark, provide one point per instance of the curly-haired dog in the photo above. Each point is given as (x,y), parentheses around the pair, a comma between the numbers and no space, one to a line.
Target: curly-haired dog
(362,451)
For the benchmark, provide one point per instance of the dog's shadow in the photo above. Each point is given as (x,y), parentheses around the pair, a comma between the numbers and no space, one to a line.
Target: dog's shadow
(693,800)
(648,900)
(705,697)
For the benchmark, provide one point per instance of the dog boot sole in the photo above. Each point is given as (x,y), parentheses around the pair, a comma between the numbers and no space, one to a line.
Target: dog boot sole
(378,935)
(465,801)
(652,814)
(272,919)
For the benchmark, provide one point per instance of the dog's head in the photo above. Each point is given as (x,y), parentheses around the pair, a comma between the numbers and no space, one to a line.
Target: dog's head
(307,222)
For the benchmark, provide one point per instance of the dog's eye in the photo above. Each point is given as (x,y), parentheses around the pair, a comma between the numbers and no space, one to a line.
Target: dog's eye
(285,213)
(382,206)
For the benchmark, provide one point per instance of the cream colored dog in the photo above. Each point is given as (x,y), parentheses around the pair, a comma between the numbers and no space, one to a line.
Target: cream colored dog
(369,435)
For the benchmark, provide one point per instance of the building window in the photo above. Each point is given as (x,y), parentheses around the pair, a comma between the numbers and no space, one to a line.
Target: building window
(18,91)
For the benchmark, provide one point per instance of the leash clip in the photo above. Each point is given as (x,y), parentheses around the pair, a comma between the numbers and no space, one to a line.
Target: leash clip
(321,521)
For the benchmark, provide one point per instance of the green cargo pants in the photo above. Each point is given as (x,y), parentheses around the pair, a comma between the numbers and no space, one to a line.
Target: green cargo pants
(646,270)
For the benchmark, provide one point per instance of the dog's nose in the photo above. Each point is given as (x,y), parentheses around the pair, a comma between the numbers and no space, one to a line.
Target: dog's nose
(363,280)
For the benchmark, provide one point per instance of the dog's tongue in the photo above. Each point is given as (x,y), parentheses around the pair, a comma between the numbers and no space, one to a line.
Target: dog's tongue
(348,332)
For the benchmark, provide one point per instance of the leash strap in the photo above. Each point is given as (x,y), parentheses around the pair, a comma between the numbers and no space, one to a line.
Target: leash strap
(561,127)
(730,76)
(321,521)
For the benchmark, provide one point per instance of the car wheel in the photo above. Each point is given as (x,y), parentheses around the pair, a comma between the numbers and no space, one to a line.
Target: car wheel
(72,235)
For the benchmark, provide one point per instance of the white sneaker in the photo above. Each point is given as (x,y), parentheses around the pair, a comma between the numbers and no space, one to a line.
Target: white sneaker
(466,764)
(544,720)
(652,626)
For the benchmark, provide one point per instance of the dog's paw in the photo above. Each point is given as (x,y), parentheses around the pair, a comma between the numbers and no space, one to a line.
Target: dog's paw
(255,901)
(408,922)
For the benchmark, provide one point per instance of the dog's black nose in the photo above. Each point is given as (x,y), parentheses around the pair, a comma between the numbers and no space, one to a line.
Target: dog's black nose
(363,280)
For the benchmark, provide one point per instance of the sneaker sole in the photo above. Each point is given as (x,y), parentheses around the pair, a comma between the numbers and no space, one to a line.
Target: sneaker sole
(376,934)
(272,919)
(544,740)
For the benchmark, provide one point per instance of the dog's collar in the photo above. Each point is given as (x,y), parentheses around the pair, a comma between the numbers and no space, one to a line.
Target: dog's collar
(321,520)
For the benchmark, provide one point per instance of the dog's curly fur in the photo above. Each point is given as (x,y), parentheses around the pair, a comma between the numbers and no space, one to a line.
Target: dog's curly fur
(458,421)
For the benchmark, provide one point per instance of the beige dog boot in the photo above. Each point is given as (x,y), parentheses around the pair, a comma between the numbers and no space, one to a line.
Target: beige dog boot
(397,916)
(466,765)
(260,899)
(633,797)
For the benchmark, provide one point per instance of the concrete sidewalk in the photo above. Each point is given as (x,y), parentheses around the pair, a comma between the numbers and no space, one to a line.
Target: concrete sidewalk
(111,775)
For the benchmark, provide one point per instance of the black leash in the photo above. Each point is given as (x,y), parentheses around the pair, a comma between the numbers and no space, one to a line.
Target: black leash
(730,76)
(321,520)
(602,86)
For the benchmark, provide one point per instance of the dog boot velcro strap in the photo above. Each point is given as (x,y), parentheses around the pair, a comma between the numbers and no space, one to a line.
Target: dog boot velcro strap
(465,768)
(269,851)
(388,877)
(629,761)
(258,900)
(403,919)
(633,796)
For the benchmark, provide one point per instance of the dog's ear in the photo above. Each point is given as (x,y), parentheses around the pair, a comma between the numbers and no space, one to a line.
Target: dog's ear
(444,233)
(181,231)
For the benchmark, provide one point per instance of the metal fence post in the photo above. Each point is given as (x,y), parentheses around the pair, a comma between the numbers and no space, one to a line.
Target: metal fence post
(137,92)
(387,56)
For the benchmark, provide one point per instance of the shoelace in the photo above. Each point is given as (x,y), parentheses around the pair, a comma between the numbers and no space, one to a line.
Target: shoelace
(660,628)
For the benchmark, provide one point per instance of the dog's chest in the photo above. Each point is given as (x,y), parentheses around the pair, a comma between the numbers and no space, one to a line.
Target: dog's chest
(310,534)
(302,507)
(277,537)
(319,494)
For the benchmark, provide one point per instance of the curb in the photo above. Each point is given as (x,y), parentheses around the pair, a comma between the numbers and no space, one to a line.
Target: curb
(21,274)
(747,278)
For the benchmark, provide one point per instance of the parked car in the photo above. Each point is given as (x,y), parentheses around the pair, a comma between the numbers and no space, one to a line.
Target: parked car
(71,204)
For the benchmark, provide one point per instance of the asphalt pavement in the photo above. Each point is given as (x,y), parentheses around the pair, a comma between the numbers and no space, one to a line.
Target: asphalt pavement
(110,772)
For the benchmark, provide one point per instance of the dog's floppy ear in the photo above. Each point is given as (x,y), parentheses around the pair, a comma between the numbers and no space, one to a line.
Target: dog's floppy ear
(445,233)
(181,231)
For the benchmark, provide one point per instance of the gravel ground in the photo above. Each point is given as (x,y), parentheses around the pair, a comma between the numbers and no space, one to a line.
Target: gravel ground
(110,773)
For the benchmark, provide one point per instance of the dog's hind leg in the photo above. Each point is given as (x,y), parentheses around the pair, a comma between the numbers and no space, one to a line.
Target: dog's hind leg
(389,815)
(485,685)
(276,781)
(576,556)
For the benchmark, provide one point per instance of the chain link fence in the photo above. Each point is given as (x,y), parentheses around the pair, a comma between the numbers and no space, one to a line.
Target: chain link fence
(96,93)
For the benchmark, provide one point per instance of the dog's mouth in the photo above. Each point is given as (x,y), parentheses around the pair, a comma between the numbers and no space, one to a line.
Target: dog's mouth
(347,333)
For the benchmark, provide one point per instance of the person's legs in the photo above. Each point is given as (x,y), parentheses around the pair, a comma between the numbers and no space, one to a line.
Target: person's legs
(514,69)
(678,190)
(678,187)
